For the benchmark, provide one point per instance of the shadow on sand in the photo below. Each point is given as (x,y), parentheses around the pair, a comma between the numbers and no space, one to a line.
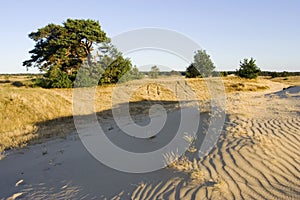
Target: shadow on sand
(63,168)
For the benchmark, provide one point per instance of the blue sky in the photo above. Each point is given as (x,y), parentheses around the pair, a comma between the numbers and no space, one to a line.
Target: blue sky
(229,30)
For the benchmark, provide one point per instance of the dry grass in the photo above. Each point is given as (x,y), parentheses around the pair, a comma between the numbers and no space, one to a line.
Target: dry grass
(26,112)
(290,81)
(234,84)
(31,114)
(183,164)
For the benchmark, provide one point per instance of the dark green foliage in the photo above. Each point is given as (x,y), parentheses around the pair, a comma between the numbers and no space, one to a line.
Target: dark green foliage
(65,46)
(279,74)
(61,50)
(115,67)
(248,69)
(224,73)
(54,78)
(59,78)
(284,74)
(154,72)
(114,72)
(192,72)
(202,64)
(17,83)
(41,82)
(274,74)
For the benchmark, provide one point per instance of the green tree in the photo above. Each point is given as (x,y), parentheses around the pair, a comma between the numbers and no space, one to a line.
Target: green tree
(154,72)
(202,63)
(114,72)
(248,69)
(115,67)
(192,72)
(65,46)
(61,50)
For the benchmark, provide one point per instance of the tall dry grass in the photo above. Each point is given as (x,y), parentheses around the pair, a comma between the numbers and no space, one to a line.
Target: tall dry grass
(33,114)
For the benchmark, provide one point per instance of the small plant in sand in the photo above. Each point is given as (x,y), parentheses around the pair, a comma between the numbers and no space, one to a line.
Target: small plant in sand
(183,164)
(219,186)
(191,140)
(219,182)
(196,174)
(171,159)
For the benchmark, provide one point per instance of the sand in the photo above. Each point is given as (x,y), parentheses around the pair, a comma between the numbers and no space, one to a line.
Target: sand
(256,157)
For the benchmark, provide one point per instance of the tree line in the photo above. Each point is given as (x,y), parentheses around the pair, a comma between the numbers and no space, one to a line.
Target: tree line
(80,50)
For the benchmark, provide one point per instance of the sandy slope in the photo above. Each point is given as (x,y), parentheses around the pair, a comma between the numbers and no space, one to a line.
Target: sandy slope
(256,157)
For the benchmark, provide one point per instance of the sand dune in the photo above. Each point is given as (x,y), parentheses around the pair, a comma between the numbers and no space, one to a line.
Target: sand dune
(256,157)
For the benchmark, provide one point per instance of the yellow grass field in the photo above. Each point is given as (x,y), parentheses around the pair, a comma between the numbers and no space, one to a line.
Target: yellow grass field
(32,114)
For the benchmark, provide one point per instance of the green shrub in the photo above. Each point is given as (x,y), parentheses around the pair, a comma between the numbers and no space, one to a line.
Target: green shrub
(275,74)
(114,72)
(192,72)
(59,79)
(42,82)
(248,69)
(55,78)
(224,74)
(17,83)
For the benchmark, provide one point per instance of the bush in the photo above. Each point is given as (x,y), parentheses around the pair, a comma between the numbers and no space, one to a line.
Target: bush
(17,84)
(55,78)
(59,79)
(275,74)
(248,69)
(192,72)
(224,74)
(114,72)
